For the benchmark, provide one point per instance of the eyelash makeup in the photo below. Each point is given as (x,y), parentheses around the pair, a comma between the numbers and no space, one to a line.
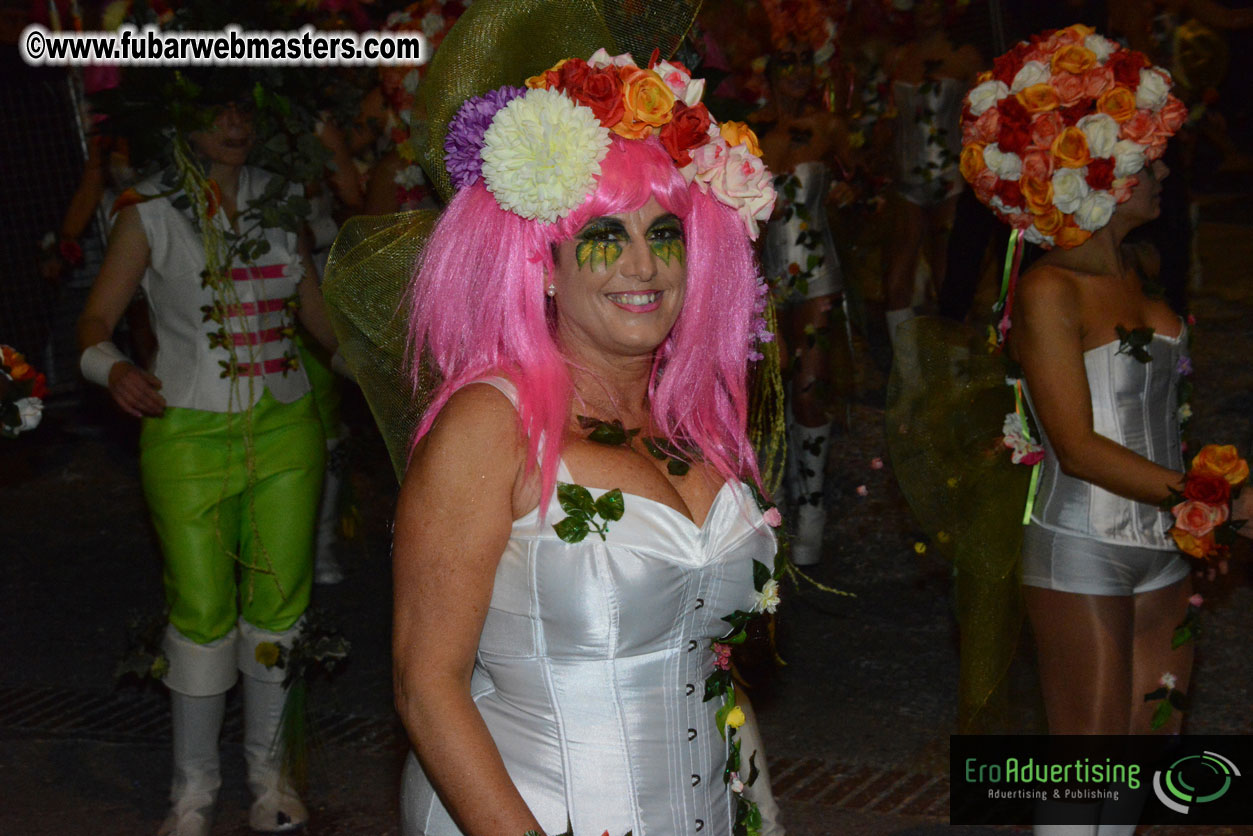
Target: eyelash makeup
(599,245)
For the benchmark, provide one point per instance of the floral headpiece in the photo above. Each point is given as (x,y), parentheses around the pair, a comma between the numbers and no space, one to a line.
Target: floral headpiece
(539,148)
(1054,134)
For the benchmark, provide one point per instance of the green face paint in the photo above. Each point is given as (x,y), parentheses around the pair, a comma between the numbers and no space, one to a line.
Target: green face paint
(665,239)
(600,244)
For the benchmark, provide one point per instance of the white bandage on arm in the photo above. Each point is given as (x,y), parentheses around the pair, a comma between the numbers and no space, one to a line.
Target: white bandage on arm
(97,361)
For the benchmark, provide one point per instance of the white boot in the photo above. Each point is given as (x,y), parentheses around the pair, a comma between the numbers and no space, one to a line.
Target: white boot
(199,677)
(808,445)
(760,791)
(276,807)
(325,565)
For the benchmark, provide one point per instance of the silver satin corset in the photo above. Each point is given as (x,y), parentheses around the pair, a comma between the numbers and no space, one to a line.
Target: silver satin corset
(800,230)
(1137,405)
(927,141)
(591,669)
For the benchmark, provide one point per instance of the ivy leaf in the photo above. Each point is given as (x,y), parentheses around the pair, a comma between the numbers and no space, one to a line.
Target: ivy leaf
(572,529)
(575,500)
(753,771)
(677,468)
(1134,341)
(720,719)
(1161,716)
(733,761)
(716,684)
(761,574)
(1178,700)
(1182,635)
(610,505)
(1159,694)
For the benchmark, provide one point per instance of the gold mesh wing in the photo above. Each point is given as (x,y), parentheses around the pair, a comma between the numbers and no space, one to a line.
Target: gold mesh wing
(641,26)
(947,401)
(365,286)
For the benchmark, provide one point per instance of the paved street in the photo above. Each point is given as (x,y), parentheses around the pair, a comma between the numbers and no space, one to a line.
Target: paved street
(857,722)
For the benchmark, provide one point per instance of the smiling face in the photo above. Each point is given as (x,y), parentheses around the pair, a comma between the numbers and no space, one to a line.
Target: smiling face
(229,139)
(620,283)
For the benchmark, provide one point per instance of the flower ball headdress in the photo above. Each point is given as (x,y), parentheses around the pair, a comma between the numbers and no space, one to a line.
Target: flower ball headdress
(538,149)
(1054,134)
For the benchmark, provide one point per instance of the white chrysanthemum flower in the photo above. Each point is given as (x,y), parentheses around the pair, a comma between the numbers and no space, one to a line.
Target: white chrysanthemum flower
(1169,680)
(1101,132)
(768,598)
(1153,89)
(1095,210)
(1004,164)
(1032,72)
(985,95)
(1069,189)
(541,155)
(1100,46)
(1128,158)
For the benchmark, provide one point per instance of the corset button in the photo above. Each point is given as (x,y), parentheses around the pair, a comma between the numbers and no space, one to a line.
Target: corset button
(700,602)
(692,645)
(700,823)
(691,734)
(691,689)
(696,780)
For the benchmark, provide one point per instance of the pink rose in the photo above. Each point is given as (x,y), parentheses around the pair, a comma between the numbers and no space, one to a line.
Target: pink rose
(1196,600)
(737,177)
(1139,128)
(1044,129)
(1096,81)
(1069,88)
(1156,148)
(876,463)
(984,130)
(772,517)
(862,490)
(985,183)
(1197,518)
(1019,220)
(1038,165)
(1172,115)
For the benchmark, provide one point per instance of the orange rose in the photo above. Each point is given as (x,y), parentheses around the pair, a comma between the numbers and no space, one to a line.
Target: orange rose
(738,133)
(1050,221)
(1039,97)
(1038,194)
(1222,460)
(1201,547)
(21,370)
(1073,59)
(1119,103)
(646,100)
(1070,235)
(972,162)
(1070,149)
(986,75)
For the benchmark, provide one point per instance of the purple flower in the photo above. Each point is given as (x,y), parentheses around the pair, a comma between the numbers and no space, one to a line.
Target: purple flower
(464,141)
(1185,365)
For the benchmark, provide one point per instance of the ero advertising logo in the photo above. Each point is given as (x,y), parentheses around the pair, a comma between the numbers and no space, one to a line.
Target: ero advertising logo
(1193,780)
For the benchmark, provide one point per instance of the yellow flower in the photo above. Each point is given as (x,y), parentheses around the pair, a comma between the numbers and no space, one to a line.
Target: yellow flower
(735,717)
(943,536)
(267,653)
(737,133)
(920,547)
(647,103)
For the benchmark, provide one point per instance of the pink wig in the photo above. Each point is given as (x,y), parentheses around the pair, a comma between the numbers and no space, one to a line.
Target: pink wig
(479,311)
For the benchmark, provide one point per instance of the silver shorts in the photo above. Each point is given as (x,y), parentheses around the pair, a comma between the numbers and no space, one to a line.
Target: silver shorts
(1071,563)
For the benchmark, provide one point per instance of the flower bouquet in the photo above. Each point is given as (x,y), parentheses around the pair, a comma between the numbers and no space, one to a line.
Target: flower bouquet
(1203,527)
(21,394)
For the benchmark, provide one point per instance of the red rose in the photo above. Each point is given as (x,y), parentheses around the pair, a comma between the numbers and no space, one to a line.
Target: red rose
(1014,137)
(688,128)
(1010,194)
(1126,65)
(39,389)
(569,77)
(1013,111)
(1007,66)
(1207,488)
(1101,173)
(601,90)
(1073,113)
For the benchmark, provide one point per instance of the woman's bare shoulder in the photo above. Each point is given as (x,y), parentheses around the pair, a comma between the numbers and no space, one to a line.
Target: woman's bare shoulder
(476,431)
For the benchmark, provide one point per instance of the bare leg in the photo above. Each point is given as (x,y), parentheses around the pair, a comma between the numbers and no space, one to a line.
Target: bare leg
(1157,613)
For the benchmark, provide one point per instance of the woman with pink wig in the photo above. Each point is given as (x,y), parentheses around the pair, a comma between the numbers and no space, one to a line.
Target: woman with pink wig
(580,535)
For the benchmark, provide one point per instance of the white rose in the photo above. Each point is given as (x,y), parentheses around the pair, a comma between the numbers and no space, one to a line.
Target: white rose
(680,83)
(432,24)
(768,598)
(1004,164)
(1032,72)
(1128,158)
(1101,131)
(1101,47)
(1034,236)
(1069,189)
(986,95)
(31,411)
(1154,86)
(1095,210)
(601,59)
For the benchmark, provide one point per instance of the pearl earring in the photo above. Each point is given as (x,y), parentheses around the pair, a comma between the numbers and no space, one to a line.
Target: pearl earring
(552,290)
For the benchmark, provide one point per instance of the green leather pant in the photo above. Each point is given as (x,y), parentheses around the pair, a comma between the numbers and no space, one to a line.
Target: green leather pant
(195,479)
